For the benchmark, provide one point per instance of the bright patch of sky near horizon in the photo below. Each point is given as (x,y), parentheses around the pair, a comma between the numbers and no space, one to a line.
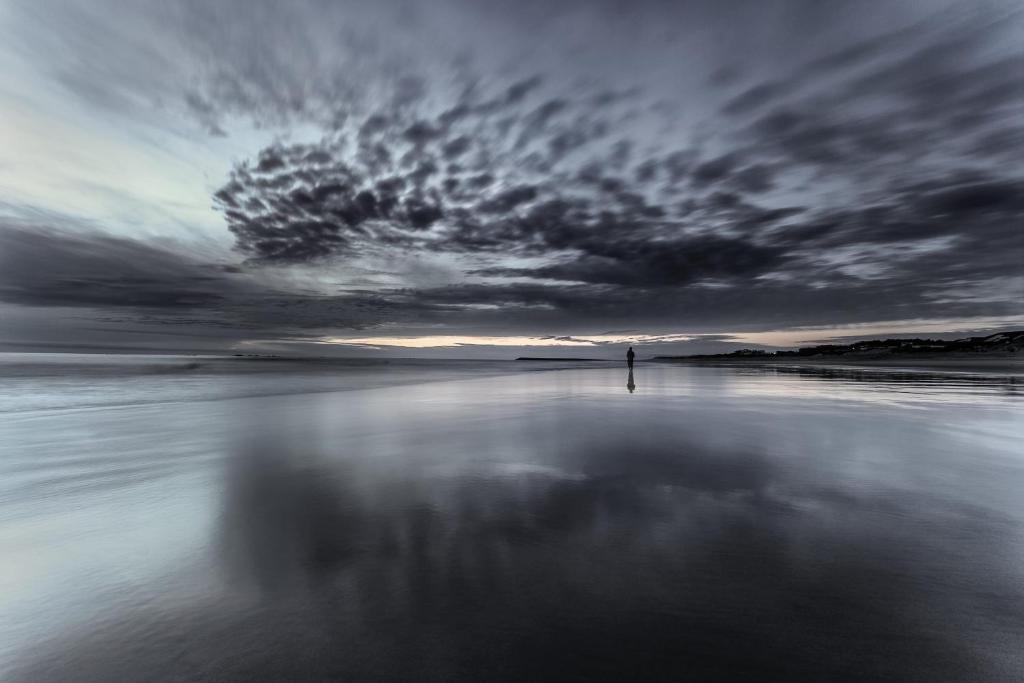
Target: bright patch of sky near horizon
(778,338)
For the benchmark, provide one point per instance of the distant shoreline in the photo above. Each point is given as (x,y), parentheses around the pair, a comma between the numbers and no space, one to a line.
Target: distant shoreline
(1002,352)
(1004,365)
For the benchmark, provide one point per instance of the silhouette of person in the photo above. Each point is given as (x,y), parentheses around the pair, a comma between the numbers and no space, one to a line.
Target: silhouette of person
(629,357)
(630,384)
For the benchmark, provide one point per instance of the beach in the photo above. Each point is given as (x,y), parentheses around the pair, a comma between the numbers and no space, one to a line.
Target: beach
(209,518)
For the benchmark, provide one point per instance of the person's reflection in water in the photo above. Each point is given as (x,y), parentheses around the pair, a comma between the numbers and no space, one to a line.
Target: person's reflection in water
(630,384)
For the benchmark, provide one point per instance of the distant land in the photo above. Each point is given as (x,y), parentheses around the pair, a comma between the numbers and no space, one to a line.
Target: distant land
(1004,348)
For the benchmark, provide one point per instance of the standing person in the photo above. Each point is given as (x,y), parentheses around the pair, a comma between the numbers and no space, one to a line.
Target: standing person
(629,357)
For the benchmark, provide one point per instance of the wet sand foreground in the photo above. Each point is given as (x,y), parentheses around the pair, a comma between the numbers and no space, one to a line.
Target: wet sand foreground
(707,524)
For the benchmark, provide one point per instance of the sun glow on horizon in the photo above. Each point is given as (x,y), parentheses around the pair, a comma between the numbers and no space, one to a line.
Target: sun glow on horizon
(453,341)
(796,336)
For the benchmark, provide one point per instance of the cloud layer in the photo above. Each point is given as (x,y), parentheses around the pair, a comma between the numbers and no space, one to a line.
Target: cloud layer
(483,169)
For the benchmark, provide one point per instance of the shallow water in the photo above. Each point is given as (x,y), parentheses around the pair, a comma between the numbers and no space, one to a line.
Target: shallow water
(424,521)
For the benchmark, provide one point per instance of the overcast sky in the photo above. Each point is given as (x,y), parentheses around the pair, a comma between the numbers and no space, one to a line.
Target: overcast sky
(413,177)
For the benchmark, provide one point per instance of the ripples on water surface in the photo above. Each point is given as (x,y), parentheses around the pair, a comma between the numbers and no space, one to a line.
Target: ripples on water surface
(216,520)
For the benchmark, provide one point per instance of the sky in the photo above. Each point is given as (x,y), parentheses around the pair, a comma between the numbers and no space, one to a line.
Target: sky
(491,179)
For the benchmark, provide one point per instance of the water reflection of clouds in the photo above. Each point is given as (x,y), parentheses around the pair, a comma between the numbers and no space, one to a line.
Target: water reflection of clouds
(467,533)
(646,550)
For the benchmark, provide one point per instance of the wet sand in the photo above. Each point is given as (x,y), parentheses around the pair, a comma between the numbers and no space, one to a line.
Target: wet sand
(736,523)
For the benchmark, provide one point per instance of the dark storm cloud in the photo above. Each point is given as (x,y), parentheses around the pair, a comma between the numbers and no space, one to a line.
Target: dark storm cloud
(756,178)
(714,170)
(124,281)
(992,197)
(753,98)
(40,266)
(642,263)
